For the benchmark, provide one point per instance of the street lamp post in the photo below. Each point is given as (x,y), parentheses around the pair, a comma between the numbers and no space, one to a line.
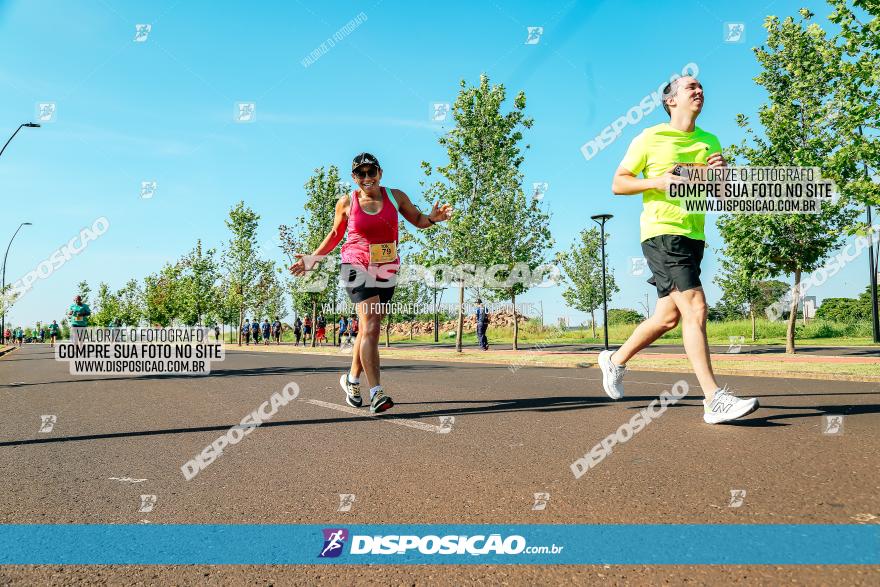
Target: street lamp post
(601,219)
(21,126)
(436,318)
(3,282)
(875,315)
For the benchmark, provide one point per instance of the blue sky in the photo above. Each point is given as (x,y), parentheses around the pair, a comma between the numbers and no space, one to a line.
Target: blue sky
(162,110)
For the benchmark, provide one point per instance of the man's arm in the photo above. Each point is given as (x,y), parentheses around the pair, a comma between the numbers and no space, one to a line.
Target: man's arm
(625,183)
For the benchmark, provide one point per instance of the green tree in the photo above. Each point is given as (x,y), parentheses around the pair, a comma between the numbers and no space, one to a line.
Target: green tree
(321,283)
(200,274)
(800,66)
(846,309)
(517,237)
(162,297)
(856,96)
(411,293)
(227,308)
(8,297)
(484,156)
(624,316)
(131,308)
(582,274)
(276,305)
(268,295)
(83,290)
(239,258)
(107,307)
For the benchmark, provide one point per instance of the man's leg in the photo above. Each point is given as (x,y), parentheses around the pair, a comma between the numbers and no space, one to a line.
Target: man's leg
(692,306)
(665,318)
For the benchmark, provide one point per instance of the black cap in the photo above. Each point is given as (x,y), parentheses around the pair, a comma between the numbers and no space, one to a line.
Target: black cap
(479,301)
(364,159)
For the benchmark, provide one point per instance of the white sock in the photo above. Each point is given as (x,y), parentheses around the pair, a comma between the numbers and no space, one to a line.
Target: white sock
(374,390)
(353,379)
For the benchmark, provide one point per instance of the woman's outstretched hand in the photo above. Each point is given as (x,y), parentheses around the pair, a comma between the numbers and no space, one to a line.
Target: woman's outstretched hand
(440,213)
(302,265)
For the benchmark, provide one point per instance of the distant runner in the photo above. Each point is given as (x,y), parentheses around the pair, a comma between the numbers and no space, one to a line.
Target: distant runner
(246,333)
(79,314)
(267,331)
(54,332)
(277,327)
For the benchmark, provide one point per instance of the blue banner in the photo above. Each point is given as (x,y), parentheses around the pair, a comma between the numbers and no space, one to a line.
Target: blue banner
(629,544)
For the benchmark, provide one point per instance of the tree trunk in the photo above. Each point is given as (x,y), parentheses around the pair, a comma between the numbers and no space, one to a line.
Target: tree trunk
(240,319)
(593,321)
(460,326)
(754,329)
(515,322)
(792,318)
(412,326)
(388,331)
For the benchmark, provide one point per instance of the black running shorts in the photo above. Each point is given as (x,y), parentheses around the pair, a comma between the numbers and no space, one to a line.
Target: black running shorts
(361,286)
(674,262)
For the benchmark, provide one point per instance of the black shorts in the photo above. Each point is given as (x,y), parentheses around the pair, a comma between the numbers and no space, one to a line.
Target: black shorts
(674,262)
(361,286)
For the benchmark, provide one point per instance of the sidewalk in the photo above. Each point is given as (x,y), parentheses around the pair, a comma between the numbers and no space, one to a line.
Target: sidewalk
(5,348)
(804,366)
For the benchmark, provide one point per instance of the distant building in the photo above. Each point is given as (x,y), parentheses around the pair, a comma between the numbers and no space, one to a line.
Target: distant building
(808,307)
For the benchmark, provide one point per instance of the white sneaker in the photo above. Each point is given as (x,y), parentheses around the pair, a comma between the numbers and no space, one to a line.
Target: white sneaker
(726,407)
(612,375)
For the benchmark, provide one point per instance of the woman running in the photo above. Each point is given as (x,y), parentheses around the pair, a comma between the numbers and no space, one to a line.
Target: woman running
(369,265)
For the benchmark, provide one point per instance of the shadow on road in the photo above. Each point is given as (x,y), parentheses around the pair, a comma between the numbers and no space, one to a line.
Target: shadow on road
(545,404)
(259,372)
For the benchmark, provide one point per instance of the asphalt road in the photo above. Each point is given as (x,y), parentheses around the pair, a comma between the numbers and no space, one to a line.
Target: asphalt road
(514,434)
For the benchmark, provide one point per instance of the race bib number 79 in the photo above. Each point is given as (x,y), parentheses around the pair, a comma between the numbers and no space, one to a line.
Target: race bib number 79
(383,253)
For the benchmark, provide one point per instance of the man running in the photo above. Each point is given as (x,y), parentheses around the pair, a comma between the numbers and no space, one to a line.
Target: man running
(79,313)
(19,336)
(352,328)
(343,326)
(255,331)
(246,332)
(307,329)
(276,330)
(267,331)
(297,330)
(54,331)
(482,325)
(672,243)
(369,265)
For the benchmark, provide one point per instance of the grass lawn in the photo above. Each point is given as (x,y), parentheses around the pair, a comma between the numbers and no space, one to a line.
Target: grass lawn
(815,333)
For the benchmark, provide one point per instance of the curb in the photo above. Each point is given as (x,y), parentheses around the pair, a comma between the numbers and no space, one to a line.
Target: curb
(6,350)
(587,364)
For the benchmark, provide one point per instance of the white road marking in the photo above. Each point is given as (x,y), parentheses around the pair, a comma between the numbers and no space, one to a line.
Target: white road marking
(126,479)
(390,419)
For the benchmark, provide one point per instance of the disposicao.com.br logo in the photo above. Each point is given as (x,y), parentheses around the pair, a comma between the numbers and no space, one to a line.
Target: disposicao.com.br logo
(431,544)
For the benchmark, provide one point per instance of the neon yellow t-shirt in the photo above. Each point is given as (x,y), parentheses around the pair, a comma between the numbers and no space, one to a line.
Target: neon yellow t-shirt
(654,152)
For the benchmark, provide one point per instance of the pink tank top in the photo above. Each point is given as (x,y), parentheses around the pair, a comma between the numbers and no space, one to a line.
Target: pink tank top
(366,229)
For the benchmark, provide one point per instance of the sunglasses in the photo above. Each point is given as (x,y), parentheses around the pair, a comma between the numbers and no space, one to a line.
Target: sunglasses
(371,171)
